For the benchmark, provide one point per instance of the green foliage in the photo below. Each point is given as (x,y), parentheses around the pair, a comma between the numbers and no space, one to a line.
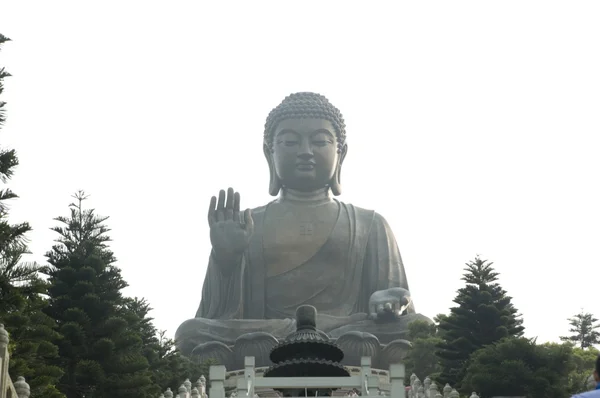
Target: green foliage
(168,367)
(32,334)
(584,362)
(173,368)
(583,329)
(21,291)
(484,315)
(3,74)
(13,243)
(519,367)
(422,359)
(102,349)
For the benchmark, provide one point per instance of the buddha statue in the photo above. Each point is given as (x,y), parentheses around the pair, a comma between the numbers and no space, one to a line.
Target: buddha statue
(303,248)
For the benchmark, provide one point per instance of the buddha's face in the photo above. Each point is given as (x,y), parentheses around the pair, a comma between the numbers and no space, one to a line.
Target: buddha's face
(305,153)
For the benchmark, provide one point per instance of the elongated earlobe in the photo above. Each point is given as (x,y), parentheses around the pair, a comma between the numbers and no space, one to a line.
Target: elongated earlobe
(336,181)
(274,183)
(336,184)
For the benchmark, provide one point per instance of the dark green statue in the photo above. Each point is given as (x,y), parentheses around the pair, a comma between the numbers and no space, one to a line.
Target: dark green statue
(303,248)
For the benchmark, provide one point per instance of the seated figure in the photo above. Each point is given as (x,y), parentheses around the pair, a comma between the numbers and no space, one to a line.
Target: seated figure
(303,248)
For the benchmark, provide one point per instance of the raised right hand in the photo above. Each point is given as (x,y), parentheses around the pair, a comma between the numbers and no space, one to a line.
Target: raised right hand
(228,235)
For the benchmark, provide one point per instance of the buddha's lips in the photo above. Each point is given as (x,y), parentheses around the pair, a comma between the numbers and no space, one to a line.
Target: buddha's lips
(305,166)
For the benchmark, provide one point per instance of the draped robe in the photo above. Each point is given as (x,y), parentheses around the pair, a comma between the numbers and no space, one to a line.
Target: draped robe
(359,257)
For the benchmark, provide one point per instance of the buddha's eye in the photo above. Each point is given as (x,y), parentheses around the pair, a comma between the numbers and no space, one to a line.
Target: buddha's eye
(320,142)
(287,142)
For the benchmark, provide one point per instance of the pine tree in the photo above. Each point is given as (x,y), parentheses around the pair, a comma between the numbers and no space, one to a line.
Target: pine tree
(583,327)
(12,236)
(518,367)
(172,368)
(21,290)
(169,368)
(32,334)
(137,311)
(484,315)
(102,349)
(421,359)
(3,74)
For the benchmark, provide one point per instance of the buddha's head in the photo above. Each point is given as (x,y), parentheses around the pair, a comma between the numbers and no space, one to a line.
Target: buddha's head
(305,144)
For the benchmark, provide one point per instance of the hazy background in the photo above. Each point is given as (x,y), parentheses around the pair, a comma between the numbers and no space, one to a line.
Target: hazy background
(472,128)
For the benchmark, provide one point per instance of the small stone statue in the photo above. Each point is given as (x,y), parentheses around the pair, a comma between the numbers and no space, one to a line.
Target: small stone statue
(22,388)
(305,247)
(447,390)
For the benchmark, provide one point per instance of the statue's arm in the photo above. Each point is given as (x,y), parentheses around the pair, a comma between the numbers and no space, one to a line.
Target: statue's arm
(226,265)
(383,256)
(222,290)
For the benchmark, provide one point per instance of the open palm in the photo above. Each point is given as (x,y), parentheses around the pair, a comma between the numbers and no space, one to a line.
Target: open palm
(229,232)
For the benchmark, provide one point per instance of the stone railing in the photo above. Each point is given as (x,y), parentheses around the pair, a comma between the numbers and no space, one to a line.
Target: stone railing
(429,389)
(20,388)
(186,390)
(363,381)
(367,382)
(377,379)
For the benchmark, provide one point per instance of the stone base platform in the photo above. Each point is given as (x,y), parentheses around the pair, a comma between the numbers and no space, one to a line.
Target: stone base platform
(355,346)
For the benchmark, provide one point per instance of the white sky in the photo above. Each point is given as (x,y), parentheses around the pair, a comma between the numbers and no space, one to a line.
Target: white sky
(472,128)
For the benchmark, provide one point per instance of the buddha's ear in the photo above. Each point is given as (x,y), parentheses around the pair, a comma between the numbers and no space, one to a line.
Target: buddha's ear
(336,181)
(274,183)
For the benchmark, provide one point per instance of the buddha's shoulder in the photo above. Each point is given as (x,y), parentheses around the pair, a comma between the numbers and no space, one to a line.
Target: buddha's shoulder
(366,214)
(360,213)
(259,211)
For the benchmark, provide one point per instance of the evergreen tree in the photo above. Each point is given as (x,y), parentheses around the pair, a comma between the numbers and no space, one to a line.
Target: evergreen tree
(102,349)
(584,363)
(421,359)
(12,236)
(21,289)
(137,312)
(484,315)
(32,334)
(3,74)
(583,327)
(169,368)
(175,368)
(519,367)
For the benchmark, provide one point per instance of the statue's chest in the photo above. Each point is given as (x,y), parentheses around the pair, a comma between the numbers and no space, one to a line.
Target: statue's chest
(293,234)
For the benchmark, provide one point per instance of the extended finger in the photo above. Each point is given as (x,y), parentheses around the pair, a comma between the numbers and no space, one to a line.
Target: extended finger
(211,210)
(221,202)
(236,207)
(229,205)
(221,206)
(249,222)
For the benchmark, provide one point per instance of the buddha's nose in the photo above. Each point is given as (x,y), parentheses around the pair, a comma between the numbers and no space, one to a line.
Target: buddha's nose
(305,151)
